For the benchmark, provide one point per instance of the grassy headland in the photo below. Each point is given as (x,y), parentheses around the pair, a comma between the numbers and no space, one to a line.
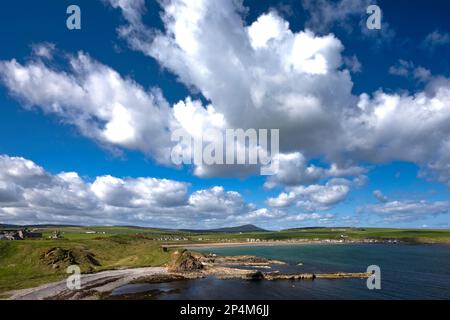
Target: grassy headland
(24,264)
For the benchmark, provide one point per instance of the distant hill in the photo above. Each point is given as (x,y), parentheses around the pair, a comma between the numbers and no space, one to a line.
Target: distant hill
(304,228)
(244,229)
(8,226)
(248,228)
(39,226)
(315,228)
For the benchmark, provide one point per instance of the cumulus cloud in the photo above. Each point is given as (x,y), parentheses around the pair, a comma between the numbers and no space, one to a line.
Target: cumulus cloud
(218,201)
(271,77)
(410,128)
(268,76)
(103,105)
(295,170)
(29,194)
(409,210)
(313,198)
(139,193)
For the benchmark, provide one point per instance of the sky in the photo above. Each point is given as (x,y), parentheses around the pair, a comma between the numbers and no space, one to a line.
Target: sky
(86,116)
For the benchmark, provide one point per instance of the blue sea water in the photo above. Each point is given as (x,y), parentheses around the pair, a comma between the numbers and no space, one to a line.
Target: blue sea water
(407,272)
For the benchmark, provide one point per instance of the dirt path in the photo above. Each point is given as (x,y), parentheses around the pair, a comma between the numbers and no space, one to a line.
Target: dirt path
(99,283)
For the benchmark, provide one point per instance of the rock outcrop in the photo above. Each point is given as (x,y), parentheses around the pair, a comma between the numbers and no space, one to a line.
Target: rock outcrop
(59,258)
(185,261)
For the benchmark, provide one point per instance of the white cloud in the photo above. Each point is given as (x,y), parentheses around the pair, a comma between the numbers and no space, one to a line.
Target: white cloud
(317,218)
(103,105)
(401,211)
(410,128)
(29,194)
(44,50)
(293,82)
(218,201)
(22,172)
(294,170)
(323,15)
(140,193)
(261,75)
(268,27)
(402,69)
(267,76)
(313,198)
(380,196)
(321,197)
(407,69)
(435,39)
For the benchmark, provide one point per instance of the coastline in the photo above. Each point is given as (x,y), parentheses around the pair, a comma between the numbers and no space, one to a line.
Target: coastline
(275,243)
(94,285)
(185,265)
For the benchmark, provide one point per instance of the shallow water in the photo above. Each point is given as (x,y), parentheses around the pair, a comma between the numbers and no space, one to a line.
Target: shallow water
(407,272)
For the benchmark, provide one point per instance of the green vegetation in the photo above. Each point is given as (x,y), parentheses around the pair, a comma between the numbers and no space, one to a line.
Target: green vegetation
(23,263)
(406,235)
(30,263)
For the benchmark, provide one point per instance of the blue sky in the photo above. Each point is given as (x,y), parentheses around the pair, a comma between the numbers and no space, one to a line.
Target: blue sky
(379,112)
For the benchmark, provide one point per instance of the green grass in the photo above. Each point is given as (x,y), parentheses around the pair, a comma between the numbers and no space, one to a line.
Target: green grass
(129,247)
(21,266)
(413,236)
(77,233)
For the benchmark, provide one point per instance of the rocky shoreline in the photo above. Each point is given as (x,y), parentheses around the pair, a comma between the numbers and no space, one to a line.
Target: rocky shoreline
(196,265)
(184,265)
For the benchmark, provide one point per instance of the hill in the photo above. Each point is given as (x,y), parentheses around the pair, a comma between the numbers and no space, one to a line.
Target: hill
(248,228)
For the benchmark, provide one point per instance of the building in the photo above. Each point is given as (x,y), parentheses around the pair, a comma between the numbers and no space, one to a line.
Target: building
(32,235)
(11,235)
(56,235)
(19,235)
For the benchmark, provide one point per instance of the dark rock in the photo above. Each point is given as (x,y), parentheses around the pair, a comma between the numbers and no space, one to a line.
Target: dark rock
(185,262)
(257,276)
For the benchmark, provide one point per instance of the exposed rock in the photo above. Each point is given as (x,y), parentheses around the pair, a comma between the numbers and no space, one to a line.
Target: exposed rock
(257,276)
(59,258)
(240,260)
(185,261)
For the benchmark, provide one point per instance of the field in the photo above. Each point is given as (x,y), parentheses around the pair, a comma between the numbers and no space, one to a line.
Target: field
(30,263)
(410,236)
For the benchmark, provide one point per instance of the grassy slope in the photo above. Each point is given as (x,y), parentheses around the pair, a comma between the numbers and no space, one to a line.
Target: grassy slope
(21,266)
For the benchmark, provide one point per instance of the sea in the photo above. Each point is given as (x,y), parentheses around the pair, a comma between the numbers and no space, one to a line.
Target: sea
(408,272)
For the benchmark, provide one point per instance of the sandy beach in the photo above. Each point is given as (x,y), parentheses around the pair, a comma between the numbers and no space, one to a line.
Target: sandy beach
(248,244)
